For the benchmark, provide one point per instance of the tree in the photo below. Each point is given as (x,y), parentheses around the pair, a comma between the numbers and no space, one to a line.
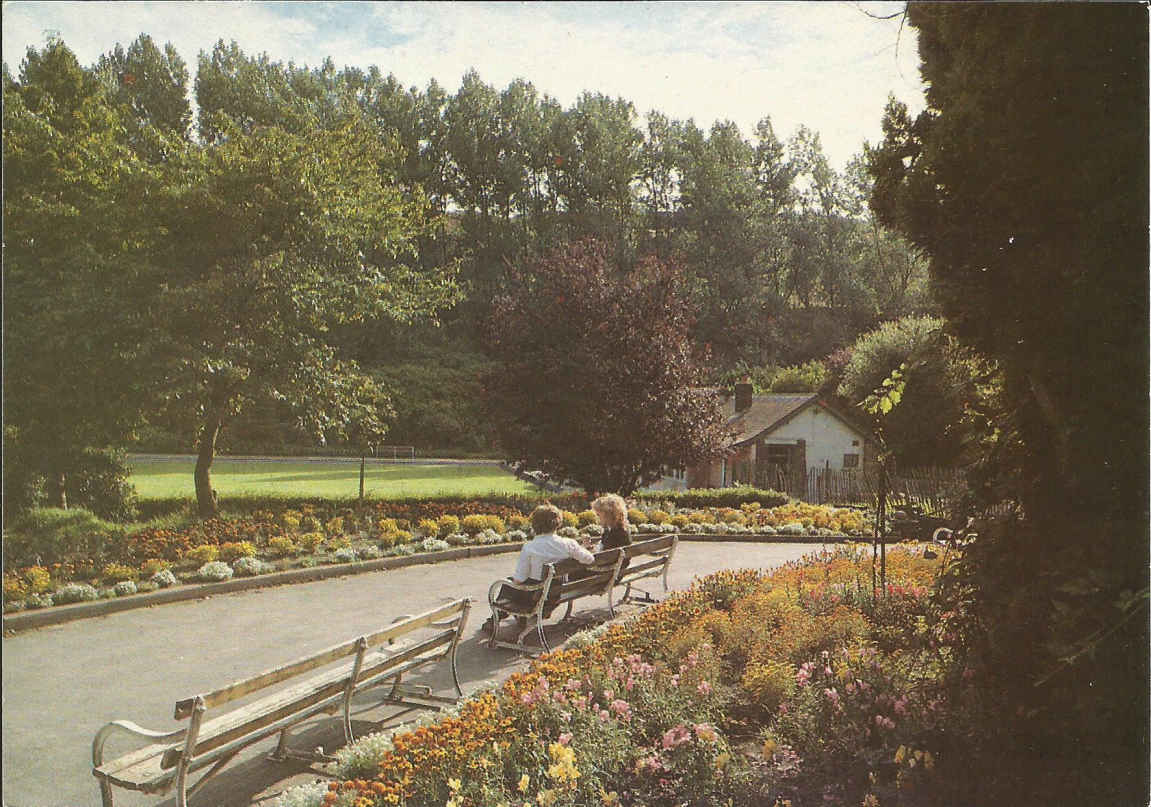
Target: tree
(75,253)
(925,429)
(598,380)
(1024,180)
(152,86)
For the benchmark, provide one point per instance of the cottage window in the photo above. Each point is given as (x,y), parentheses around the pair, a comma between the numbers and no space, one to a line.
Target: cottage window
(850,460)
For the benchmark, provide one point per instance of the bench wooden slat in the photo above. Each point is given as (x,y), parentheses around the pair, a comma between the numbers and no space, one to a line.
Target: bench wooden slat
(252,721)
(274,676)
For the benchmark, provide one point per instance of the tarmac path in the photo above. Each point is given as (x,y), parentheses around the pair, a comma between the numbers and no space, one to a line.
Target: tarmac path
(62,683)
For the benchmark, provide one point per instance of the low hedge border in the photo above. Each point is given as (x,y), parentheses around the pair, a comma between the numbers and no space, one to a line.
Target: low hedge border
(59,614)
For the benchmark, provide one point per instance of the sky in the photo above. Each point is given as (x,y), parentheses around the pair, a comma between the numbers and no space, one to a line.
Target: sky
(828,66)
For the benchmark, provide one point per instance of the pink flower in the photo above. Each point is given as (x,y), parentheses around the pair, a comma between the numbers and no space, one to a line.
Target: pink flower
(675,680)
(608,694)
(704,688)
(900,706)
(621,708)
(565,738)
(603,715)
(677,736)
(573,684)
(832,695)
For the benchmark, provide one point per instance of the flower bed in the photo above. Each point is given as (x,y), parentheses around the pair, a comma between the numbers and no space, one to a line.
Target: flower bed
(267,541)
(800,687)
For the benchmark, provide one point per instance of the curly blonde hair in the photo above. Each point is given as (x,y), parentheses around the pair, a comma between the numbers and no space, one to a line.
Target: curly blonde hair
(611,509)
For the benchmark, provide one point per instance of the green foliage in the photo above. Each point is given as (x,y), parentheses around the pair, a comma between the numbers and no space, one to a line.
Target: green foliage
(904,373)
(599,381)
(49,535)
(715,497)
(1054,295)
(808,377)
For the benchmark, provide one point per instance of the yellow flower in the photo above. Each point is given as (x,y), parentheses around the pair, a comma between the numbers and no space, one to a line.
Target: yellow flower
(546,798)
(609,799)
(928,760)
(900,754)
(722,760)
(769,747)
(525,782)
(454,785)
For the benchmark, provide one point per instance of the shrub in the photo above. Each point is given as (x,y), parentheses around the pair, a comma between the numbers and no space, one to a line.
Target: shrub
(518,522)
(153,565)
(768,683)
(716,497)
(433,545)
(39,601)
(310,541)
(164,578)
(202,554)
(334,526)
(281,546)
(338,543)
(237,549)
(116,572)
(658,517)
(427,527)
(679,520)
(636,516)
(473,524)
(39,579)
(49,535)
(587,517)
(248,566)
(124,588)
(15,587)
(448,525)
(344,555)
(459,538)
(290,520)
(214,572)
(369,552)
(75,592)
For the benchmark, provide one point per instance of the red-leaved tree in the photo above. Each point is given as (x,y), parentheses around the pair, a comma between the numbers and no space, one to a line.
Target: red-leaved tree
(598,378)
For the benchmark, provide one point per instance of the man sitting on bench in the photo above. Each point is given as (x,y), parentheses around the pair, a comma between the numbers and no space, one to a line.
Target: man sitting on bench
(545,548)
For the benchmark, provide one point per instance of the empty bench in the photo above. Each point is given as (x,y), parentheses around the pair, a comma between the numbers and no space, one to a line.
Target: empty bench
(296,692)
(567,581)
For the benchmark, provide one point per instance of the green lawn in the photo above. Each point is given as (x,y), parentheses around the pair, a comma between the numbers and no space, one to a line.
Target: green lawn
(162,479)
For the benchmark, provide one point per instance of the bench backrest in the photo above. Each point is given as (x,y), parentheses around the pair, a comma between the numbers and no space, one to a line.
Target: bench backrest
(652,546)
(593,577)
(448,619)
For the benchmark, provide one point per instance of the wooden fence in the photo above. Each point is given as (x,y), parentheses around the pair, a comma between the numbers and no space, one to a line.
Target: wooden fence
(935,491)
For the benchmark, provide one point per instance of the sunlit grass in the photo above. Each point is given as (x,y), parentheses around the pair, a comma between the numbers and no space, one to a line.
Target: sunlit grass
(163,479)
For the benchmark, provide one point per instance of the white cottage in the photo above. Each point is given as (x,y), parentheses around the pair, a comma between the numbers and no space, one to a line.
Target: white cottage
(779,438)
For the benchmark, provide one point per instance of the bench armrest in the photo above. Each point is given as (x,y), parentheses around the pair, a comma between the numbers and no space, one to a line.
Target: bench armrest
(128,727)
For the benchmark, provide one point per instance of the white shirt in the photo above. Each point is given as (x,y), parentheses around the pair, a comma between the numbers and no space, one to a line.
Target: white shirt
(545,549)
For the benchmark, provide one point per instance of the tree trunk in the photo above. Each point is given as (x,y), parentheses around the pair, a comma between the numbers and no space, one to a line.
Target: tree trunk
(62,492)
(205,496)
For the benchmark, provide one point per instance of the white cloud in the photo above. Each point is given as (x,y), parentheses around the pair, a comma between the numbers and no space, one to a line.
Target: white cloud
(825,65)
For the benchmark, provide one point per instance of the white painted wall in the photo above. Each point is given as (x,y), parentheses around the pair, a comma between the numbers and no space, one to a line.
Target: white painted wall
(828,438)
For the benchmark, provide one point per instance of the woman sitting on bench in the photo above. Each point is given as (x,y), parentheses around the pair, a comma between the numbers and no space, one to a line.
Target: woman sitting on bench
(611,510)
(545,548)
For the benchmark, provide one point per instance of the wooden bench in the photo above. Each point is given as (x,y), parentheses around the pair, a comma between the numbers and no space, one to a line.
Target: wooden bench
(564,582)
(569,580)
(294,696)
(647,559)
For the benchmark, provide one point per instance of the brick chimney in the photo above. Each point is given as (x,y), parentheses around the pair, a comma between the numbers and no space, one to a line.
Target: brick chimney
(743,396)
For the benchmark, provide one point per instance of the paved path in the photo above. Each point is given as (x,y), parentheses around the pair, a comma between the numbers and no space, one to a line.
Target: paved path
(60,684)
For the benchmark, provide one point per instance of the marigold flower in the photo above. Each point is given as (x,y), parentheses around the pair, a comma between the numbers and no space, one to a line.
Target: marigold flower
(525,782)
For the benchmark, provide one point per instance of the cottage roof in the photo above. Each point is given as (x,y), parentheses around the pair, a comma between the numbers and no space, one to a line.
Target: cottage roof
(766,412)
(770,411)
